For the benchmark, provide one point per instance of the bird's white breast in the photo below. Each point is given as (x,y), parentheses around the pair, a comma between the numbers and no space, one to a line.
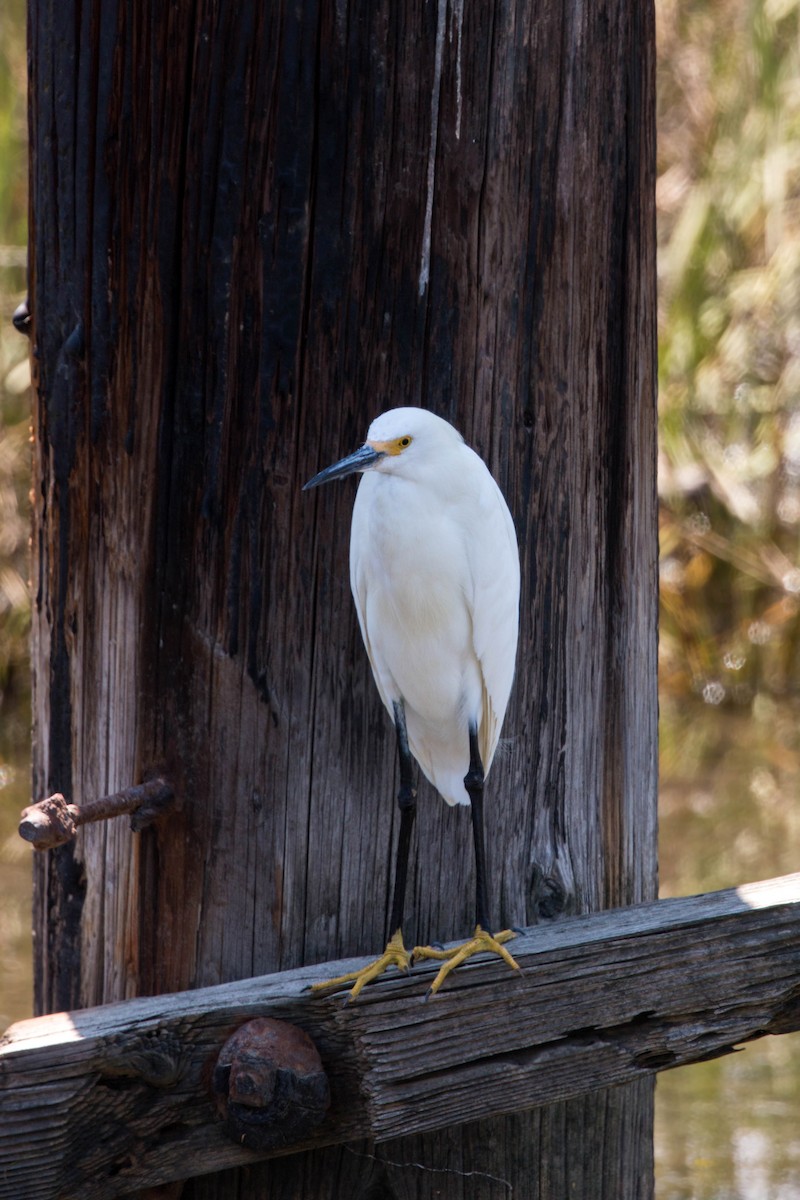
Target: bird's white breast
(410,580)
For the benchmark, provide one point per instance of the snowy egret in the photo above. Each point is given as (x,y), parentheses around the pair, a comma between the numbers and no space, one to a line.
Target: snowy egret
(434,570)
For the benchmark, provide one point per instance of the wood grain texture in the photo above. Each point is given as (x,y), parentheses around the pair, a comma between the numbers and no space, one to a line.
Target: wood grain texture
(100,1102)
(228,215)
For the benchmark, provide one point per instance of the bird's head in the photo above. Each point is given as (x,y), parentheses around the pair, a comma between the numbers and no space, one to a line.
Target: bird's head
(398,442)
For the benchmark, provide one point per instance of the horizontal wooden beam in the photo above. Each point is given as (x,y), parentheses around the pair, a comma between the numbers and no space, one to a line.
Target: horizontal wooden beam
(105,1101)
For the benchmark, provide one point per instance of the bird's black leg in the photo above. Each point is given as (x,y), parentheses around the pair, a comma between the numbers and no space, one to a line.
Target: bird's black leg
(484,939)
(407,802)
(473,782)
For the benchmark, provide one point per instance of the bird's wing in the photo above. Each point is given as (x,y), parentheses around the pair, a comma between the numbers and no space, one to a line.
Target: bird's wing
(359,576)
(493,557)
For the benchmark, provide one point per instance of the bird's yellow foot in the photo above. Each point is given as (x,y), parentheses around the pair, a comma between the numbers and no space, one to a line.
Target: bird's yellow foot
(481,942)
(395,955)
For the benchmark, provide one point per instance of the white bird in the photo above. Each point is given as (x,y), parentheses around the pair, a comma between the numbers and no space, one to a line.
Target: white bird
(434,570)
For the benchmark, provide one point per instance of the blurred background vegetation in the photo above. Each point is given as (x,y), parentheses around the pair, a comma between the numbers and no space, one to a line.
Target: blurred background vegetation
(728,205)
(15,483)
(728,199)
(14,370)
(728,202)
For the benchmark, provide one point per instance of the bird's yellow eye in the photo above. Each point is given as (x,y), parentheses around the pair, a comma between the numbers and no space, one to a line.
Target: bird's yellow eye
(403,442)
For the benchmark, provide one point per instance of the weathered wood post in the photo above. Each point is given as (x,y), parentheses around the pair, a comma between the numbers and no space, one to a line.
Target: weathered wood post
(254,227)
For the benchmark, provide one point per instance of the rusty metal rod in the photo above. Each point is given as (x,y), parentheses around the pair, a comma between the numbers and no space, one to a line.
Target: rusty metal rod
(54,821)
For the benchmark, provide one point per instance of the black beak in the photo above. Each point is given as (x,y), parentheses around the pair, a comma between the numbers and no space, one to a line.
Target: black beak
(361,460)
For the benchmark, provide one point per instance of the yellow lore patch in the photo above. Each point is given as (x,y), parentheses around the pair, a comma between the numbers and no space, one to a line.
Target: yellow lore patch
(395,446)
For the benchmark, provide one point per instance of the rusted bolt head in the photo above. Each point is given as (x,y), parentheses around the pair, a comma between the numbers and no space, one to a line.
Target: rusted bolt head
(269,1085)
(49,823)
(21,319)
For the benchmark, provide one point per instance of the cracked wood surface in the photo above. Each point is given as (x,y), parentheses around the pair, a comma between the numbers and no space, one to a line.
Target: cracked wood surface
(244,244)
(104,1101)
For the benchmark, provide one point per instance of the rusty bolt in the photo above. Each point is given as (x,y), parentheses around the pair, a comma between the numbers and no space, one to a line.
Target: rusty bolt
(51,822)
(270,1087)
(54,821)
(21,320)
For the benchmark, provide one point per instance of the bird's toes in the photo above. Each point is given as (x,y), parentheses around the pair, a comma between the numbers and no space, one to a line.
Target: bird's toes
(505,935)
(435,950)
